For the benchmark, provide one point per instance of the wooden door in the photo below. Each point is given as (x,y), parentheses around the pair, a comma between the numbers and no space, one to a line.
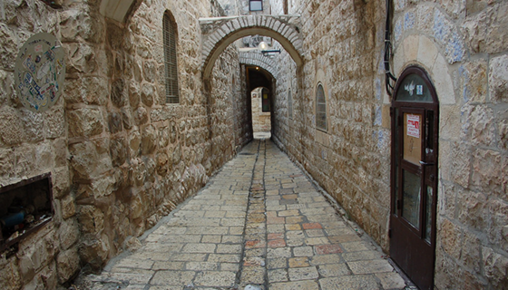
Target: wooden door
(414,176)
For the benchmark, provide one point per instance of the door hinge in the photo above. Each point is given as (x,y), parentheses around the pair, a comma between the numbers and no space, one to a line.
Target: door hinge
(390,233)
(399,121)
(392,109)
(399,204)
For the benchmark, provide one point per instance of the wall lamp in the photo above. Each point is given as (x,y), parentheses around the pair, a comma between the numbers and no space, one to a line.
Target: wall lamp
(267,52)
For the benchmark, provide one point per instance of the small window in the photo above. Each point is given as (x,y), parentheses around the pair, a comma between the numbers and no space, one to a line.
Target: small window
(171,69)
(290,105)
(285,6)
(256,5)
(266,102)
(321,108)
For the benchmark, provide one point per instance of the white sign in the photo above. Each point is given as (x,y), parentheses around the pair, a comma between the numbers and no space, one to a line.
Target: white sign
(413,125)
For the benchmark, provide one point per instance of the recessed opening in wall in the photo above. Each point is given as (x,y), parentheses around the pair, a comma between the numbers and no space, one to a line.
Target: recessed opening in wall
(24,208)
(256,5)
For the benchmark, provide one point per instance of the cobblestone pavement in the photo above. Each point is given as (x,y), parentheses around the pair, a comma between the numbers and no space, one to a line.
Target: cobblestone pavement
(258,224)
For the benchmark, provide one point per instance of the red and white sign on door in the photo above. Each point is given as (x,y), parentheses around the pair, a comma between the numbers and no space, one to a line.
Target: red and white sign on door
(413,125)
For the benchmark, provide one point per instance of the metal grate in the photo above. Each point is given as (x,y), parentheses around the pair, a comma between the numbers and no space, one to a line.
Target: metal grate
(171,74)
(320,108)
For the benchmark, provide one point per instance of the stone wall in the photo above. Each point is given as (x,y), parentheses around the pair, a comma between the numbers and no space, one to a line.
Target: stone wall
(462,45)
(351,159)
(120,157)
(35,143)
(260,119)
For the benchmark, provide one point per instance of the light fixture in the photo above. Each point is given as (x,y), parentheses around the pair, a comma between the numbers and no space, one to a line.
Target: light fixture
(267,52)
(263,45)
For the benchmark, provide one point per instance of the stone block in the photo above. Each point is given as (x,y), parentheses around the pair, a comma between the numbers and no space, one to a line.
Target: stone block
(148,94)
(68,233)
(150,71)
(33,124)
(119,151)
(140,116)
(479,124)
(496,268)
(36,253)
(91,219)
(68,207)
(67,264)
(370,267)
(498,79)
(86,161)
(449,238)
(484,32)
(11,126)
(6,162)
(490,170)
(94,251)
(118,93)
(81,58)
(45,279)
(10,278)
(90,90)
(85,122)
(215,279)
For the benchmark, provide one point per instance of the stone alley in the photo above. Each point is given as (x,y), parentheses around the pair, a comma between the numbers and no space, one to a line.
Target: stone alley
(260,223)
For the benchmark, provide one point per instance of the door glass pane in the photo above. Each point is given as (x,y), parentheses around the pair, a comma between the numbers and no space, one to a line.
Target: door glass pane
(413,89)
(412,135)
(428,213)
(396,162)
(411,198)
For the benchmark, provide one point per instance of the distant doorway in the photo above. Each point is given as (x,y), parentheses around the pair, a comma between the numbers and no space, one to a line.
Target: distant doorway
(414,176)
(261,113)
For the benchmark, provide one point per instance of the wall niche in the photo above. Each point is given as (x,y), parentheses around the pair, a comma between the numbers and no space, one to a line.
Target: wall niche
(25,207)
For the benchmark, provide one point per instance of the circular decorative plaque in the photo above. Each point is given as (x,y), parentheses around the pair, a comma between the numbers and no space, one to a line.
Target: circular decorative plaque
(40,72)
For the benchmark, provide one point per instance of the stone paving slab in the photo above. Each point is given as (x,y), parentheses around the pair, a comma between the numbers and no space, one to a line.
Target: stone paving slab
(259,223)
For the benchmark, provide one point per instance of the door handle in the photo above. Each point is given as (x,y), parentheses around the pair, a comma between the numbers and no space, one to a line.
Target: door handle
(425,163)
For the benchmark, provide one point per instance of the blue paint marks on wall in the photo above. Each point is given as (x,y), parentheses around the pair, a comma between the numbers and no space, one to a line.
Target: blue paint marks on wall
(464,74)
(409,20)
(441,28)
(398,30)
(379,89)
(454,49)
(378,117)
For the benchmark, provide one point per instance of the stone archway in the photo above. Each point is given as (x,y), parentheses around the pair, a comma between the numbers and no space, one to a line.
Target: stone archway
(220,32)
(119,10)
(254,57)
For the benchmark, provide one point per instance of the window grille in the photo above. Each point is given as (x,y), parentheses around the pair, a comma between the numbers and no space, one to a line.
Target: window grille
(321,108)
(256,5)
(171,70)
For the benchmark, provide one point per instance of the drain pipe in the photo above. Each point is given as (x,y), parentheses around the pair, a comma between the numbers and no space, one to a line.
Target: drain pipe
(389,77)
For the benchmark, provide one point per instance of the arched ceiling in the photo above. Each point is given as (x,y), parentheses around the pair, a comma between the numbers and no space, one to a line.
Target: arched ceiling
(119,10)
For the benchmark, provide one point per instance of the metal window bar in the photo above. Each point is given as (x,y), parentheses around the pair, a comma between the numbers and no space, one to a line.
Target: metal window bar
(321,108)
(171,70)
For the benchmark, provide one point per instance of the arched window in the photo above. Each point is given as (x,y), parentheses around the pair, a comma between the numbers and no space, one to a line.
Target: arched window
(171,75)
(321,123)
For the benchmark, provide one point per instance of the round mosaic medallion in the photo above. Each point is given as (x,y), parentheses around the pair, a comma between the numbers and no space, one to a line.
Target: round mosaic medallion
(40,72)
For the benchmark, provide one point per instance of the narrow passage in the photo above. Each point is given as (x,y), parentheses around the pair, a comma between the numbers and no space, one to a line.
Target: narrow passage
(258,224)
